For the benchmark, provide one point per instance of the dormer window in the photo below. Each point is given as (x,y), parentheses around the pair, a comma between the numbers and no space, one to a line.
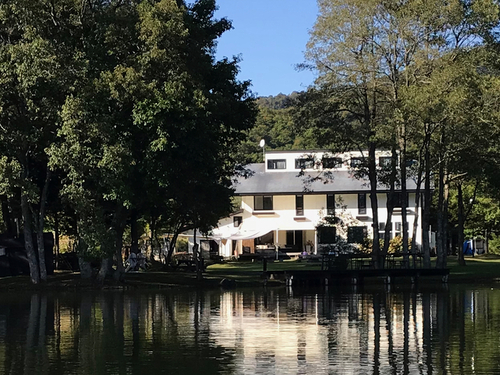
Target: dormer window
(305,163)
(329,163)
(276,164)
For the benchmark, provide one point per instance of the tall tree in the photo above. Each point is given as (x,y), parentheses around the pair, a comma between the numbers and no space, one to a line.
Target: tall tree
(373,53)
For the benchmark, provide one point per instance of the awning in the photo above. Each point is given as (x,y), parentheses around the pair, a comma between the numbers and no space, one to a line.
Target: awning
(242,234)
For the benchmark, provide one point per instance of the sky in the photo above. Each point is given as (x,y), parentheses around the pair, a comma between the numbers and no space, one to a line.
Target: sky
(270,37)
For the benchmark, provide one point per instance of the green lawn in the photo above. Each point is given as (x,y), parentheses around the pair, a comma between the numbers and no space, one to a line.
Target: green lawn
(481,269)
(485,267)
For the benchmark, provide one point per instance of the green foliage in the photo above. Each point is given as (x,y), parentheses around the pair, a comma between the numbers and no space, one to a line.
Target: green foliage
(396,245)
(182,245)
(126,102)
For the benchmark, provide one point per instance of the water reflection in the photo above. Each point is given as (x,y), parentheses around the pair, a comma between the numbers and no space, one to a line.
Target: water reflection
(245,332)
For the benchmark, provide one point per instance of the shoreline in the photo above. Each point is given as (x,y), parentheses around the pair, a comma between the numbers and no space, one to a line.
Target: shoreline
(481,270)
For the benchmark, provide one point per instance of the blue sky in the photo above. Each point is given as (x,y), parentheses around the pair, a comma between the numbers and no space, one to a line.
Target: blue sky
(270,36)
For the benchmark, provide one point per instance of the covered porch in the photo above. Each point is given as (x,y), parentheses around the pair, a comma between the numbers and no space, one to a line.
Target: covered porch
(291,242)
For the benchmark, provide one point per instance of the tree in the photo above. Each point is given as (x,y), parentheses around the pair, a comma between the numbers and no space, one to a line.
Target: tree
(153,129)
(375,57)
(34,77)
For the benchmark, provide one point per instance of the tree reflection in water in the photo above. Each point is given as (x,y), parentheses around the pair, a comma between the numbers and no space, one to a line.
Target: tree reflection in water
(267,332)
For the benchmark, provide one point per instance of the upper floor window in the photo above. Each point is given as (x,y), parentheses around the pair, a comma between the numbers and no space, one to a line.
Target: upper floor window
(305,163)
(330,204)
(356,162)
(299,205)
(276,164)
(237,220)
(263,202)
(398,200)
(385,162)
(362,203)
(329,163)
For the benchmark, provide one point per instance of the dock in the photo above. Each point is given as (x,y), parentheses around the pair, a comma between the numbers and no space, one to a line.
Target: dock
(327,277)
(354,270)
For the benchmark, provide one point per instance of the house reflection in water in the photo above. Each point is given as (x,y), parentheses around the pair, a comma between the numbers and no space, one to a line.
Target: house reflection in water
(234,332)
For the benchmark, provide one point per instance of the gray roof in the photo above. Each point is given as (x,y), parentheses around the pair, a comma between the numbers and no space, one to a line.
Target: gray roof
(262,182)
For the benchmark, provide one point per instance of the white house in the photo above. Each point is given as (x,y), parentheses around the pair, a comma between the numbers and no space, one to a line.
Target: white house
(288,196)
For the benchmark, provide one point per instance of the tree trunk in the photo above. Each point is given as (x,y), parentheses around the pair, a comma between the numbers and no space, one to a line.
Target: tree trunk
(154,241)
(461,220)
(390,205)
(172,248)
(10,226)
(41,224)
(56,237)
(28,240)
(426,215)
(442,212)
(417,207)
(120,269)
(85,268)
(134,248)
(372,173)
(197,256)
(445,219)
(404,216)
(103,270)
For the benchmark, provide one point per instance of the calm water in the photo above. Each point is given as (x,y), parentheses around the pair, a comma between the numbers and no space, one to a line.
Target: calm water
(445,331)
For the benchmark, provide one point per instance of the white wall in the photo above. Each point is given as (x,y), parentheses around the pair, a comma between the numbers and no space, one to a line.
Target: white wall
(283,217)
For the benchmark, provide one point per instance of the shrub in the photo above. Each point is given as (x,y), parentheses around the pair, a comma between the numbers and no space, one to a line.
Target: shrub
(396,245)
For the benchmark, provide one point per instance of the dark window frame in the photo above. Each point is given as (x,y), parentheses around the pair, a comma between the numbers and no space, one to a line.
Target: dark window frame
(356,234)
(398,198)
(362,203)
(304,163)
(299,205)
(267,203)
(356,162)
(330,204)
(237,220)
(274,163)
(330,163)
(327,235)
(295,239)
(385,162)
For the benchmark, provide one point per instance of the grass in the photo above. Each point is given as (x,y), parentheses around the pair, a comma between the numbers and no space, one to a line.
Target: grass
(480,269)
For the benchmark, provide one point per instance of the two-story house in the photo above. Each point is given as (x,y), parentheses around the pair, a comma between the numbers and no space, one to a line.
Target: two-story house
(286,199)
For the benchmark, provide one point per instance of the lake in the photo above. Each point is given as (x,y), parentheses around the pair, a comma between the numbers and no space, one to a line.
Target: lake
(446,330)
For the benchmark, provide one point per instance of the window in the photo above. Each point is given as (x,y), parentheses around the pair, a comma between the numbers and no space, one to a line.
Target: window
(398,229)
(237,220)
(329,163)
(294,239)
(362,204)
(410,163)
(356,234)
(330,204)
(398,200)
(327,235)
(304,163)
(356,162)
(276,164)
(263,202)
(385,162)
(299,205)
(381,230)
